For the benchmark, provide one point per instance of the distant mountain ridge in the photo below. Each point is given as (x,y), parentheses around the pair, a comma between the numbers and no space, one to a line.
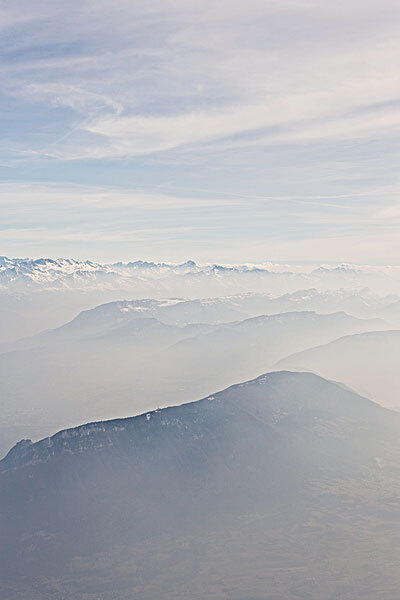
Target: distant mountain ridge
(214,311)
(64,271)
(368,362)
(70,272)
(39,294)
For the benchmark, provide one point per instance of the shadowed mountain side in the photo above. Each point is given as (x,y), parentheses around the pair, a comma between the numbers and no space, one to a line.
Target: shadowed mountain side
(367,362)
(286,456)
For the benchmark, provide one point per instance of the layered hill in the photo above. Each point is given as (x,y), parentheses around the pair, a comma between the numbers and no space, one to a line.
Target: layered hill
(118,360)
(37,294)
(367,362)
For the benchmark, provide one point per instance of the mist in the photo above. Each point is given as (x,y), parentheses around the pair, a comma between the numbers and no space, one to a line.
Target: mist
(199,300)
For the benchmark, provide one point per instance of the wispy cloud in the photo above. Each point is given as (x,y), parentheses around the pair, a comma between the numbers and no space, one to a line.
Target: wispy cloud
(117,223)
(287,111)
(148,80)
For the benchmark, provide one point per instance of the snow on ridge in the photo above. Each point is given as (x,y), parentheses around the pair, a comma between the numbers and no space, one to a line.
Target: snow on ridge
(68,272)
(46,269)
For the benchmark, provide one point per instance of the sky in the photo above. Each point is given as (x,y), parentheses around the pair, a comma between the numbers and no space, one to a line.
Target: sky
(215,130)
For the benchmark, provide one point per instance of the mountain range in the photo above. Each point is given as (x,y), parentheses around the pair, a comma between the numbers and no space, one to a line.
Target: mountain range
(28,312)
(65,272)
(118,360)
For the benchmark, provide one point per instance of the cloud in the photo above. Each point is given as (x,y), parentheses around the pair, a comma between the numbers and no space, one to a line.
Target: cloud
(389,213)
(145,80)
(239,125)
(113,223)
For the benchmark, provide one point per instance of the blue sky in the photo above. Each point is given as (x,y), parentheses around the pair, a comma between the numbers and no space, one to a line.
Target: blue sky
(219,131)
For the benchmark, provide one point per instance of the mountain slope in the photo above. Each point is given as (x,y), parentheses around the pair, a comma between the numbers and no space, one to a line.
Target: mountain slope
(367,362)
(253,345)
(143,507)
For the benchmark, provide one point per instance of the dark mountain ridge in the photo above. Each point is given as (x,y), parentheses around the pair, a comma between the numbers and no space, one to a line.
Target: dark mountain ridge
(281,402)
(281,451)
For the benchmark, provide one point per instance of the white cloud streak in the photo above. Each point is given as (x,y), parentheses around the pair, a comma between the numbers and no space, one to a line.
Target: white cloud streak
(145,80)
(114,223)
(292,108)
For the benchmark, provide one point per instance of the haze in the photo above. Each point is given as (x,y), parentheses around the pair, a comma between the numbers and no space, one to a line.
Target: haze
(199,300)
